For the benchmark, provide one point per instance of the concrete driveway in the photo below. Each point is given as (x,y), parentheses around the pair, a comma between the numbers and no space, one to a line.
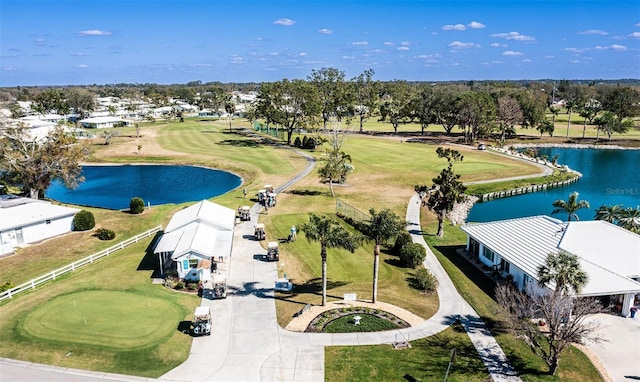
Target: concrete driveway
(619,351)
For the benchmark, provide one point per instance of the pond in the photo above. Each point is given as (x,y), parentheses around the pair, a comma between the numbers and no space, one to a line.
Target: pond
(113,187)
(609,177)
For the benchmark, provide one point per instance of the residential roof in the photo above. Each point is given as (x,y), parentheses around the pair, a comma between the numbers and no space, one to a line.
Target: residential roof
(20,212)
(212,214)
(105,119)
(609,254)
(204,228)
(605,244)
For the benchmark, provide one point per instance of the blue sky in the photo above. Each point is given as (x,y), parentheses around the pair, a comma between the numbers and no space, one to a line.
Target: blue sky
(59,42)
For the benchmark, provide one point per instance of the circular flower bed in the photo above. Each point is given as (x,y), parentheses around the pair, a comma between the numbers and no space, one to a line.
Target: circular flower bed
(343,321)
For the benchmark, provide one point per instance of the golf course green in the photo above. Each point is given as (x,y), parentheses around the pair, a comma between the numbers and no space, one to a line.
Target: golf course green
(113,319)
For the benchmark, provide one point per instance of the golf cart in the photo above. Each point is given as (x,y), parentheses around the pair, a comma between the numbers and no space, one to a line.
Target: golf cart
(271,199)
(262,196)
(272,251)
(259,232)
(202,321)
(219,288)
(245,213)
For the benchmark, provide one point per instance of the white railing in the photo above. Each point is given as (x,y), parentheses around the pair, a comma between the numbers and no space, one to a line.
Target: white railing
(33,283)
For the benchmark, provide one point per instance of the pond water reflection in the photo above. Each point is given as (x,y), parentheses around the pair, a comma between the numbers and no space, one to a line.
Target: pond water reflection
(113,187)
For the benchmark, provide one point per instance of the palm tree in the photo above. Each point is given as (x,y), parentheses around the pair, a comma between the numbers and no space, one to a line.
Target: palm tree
(570,206)
(380,228)
(563,269)
(609,214)
(630,219)
(330,234)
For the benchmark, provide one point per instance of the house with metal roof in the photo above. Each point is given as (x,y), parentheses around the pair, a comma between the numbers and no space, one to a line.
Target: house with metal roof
(103,122)
(196,237)
(610,255)
(24,221)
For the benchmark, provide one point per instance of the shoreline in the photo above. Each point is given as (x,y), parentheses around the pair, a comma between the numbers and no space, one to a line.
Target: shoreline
(572,146)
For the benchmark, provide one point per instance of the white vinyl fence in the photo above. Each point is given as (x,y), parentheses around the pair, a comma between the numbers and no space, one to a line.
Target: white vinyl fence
(33,283)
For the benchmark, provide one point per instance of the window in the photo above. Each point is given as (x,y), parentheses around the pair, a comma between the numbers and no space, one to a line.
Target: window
(504,265)
(48,221)
(193,263)
(185,264)
(487,253)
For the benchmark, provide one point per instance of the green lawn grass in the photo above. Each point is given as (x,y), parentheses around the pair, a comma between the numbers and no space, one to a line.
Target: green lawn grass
(385,172)
(426,360)
(110,319)
(132,325)
(480,189)
(368,323)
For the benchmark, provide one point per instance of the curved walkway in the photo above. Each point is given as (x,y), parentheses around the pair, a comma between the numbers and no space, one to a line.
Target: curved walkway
(247,344)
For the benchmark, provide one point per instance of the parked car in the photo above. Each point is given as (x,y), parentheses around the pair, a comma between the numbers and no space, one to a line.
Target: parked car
(482,146)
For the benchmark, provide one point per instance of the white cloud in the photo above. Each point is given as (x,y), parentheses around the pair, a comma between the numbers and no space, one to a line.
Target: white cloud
(549,56)
(404,48)
(594,31)
(526,60)
(237,60)
(302,54)
(285,22)
(325,31)
(94,32)
(405,43)
(511,53)
(348,57)
(514,36)
(635,35)
(83,66)
(457,27)
(476,25)
(637,25)
(463,45)
(389,43)
(616,47)
(573,50)
(498,45)
(360,43)
(79,54)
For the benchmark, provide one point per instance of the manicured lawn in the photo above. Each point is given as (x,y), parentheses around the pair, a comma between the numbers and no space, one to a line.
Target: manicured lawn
(480,189)
(385,172)
(426,360)
(132,326)
(130,321)
(368,323)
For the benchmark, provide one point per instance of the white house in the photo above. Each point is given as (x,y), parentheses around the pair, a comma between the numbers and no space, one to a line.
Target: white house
(194,238)
(25,220)
(610,255)
(103,122)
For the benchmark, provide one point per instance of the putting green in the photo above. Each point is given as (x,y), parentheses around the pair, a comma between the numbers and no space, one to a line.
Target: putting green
(114,319)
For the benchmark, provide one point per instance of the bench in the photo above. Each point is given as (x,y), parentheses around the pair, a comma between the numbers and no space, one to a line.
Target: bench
(301,311)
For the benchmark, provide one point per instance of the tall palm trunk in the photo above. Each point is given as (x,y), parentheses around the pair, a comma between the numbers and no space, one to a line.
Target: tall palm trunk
(568,123)
(376,266)
(323,254)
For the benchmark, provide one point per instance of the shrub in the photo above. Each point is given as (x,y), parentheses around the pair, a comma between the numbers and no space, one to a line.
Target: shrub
(179,285)
(403,238)
(83,221)
(412,254)
(425,280)
(297,142)
(136,205)
(105,234)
